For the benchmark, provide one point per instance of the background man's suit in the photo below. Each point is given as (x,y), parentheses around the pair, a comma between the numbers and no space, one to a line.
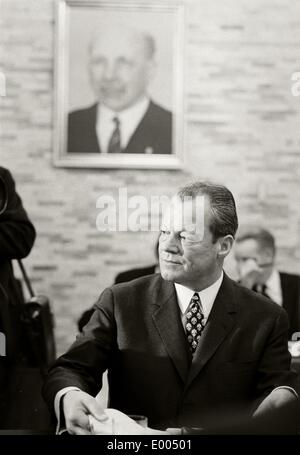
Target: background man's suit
(290,287)
(136,332)
(154,131)
(122,277)
(132,274)
(17,235)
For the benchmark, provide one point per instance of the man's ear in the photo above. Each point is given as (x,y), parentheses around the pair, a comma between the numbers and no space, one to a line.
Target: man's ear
(151,70)
(225,245)
(3,195)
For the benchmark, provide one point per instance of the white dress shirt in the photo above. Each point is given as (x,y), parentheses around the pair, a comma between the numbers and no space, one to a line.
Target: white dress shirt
(207,298)
(273,287)
(129,120)
(184,295)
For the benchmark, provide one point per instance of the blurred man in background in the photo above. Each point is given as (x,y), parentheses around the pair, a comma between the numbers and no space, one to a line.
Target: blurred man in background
(255,253)
(186,347)
(123,277)
(17,235)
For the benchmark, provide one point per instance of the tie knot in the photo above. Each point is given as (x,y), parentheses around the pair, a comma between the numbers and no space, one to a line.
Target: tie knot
(194,322)
(116,121)
(195,298)
(261,289)
(195,306)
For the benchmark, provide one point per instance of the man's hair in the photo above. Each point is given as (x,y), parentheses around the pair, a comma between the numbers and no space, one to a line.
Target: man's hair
(146,37)
(264,238)
(224,219)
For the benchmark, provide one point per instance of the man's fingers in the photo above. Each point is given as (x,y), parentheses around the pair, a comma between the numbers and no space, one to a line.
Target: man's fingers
(250,267)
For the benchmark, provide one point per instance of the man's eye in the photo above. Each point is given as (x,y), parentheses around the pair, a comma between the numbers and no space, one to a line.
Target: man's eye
(124,62)
(98,61)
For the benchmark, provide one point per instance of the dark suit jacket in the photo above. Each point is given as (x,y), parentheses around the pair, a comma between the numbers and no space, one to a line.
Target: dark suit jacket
(122,277)
(290,286)
(132,274)
(137,334)
(154,130)
(17,236)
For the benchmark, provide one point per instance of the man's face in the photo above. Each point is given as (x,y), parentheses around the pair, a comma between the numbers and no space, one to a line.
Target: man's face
(120,69)
(187,253)
(251,258)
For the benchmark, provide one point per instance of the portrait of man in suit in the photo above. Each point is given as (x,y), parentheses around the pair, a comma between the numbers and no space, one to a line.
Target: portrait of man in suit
(255,254)
(186,347)
(124,117)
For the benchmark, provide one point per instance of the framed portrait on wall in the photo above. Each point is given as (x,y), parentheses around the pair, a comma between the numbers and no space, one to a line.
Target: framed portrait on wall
(119,84)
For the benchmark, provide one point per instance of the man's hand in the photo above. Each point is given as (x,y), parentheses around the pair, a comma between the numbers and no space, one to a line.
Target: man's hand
(249,273)
(120,424)
(294,348)
(278,412)
(77,406)
(277,399)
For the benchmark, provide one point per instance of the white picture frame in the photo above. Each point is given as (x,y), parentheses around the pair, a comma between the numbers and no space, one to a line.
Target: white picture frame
(76,21)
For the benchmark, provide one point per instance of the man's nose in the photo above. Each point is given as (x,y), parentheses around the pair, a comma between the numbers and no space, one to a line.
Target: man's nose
(110,70)
(172,244)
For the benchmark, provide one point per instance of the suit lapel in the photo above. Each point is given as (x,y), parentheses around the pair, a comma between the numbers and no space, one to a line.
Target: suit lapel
(167,320)
(93,139)
(219,324)
(143,134)
(288,291)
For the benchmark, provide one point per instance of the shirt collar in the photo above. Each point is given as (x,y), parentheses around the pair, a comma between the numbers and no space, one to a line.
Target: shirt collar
(273,287)
(207,296)
(132,113)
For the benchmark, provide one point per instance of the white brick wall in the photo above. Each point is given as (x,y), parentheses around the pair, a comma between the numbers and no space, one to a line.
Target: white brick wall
(242,128)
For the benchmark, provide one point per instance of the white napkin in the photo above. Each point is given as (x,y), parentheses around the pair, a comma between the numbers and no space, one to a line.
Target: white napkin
(117,423)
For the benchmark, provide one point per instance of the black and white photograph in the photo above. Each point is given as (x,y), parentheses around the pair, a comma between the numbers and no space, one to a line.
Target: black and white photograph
(149,224)
(119,91)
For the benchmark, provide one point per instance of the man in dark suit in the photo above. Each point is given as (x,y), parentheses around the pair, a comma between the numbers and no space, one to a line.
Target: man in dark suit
(122,277)
(124,119)
(183,347)
(255,253)
(17,235)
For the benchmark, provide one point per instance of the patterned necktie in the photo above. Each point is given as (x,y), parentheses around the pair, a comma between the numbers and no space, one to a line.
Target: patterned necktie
(114,145)
(194,322)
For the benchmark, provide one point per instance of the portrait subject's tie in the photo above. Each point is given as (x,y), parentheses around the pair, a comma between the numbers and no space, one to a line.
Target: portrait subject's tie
(194,322)
(114,145)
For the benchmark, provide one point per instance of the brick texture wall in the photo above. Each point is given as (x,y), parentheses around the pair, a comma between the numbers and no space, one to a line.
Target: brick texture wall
(242,129)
